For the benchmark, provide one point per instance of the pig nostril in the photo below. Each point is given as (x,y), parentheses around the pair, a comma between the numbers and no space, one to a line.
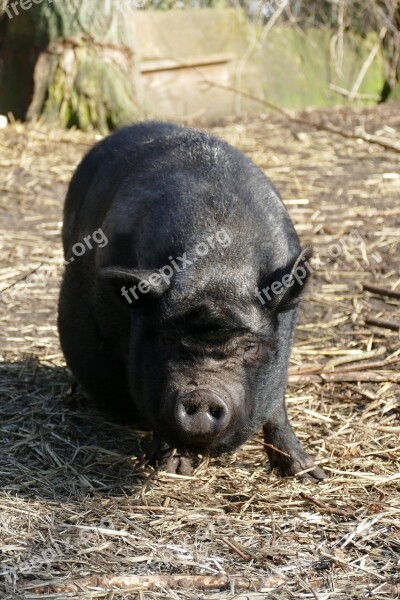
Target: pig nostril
(216,412)
(190,408)
(201,415)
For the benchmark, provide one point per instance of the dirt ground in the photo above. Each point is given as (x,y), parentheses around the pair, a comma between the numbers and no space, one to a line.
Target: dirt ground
(78,508)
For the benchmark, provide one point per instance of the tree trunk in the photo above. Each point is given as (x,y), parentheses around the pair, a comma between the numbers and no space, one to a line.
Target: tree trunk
(72,62)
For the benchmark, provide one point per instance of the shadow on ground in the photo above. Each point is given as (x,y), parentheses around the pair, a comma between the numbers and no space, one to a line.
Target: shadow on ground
(55,445)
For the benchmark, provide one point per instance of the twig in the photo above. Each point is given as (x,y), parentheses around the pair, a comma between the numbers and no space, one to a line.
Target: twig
(154,508)
(364,393)
(320,369)
(343,92)
(380,290)
(340,360)
(152,582)
(382,323)
(372,364)
(21,279)
(324,508)
(361,376)
(340,39)
(367,63)
(235,547)
(276,449)
(272,20)
(366,137)
(344,376)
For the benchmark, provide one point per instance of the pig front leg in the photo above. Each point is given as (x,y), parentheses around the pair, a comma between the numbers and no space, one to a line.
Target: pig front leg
(284,450)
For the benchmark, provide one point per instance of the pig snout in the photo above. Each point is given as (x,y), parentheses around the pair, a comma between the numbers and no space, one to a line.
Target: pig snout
(201,415)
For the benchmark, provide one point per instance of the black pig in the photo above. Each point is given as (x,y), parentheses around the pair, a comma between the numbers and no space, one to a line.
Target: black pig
(186,315)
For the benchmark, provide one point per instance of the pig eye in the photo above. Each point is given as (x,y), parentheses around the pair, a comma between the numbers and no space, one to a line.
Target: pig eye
(252,350)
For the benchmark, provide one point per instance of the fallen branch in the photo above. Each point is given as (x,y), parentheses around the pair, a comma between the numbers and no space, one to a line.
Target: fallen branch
(341,360)
(304,378)
(361,376)
(343,376)
(381,291)
(394,326)
(366,137)
(152,582)
(325,508)
(372,364)
(357,366)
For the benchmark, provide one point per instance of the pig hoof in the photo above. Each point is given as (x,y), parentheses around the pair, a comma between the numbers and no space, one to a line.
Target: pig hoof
(316,474)
(168,459)
(289,466)
(181,465)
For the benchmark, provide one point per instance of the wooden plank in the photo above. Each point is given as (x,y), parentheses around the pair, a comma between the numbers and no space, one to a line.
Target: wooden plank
(167,64)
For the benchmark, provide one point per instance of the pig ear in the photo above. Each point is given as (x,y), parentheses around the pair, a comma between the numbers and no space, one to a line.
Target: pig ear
(284,287)
(135,286)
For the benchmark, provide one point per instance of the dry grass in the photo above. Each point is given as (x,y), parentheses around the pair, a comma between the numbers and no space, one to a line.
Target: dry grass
(74,502)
